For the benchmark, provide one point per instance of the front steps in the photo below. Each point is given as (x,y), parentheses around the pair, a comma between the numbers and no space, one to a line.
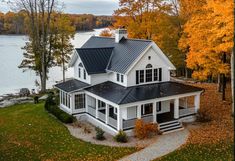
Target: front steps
(171,126)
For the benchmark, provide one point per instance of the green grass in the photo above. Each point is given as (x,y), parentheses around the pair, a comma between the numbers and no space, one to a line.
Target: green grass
(210,152)
(28,132)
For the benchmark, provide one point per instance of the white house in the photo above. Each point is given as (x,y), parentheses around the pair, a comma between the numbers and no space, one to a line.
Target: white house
(118,80)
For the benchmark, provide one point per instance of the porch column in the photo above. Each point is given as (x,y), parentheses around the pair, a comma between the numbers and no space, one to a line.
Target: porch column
(139,111)
(106,113)
(86,102)
(96,108)
(176,108)
(154,112)
(197,102)
(119,118)
(71,102)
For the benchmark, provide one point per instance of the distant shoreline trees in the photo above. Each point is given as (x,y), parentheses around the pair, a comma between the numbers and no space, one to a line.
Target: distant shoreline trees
(14,22)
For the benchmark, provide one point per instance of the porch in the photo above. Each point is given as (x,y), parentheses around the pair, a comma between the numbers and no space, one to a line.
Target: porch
(124,118)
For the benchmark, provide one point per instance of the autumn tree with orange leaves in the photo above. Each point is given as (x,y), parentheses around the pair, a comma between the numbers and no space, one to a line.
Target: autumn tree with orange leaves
(208,37)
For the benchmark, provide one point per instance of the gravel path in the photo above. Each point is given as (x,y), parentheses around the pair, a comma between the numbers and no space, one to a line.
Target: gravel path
(164,145)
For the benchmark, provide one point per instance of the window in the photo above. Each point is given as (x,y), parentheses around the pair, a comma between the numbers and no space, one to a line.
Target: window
(147,109)
(149,66)
(115,110)
(149,57)
(79,101)
(79,72)
(118,77)
(141,76)
(159,106)
(101,104)
(155,75)
(84,73)
(122,78)
(149,75)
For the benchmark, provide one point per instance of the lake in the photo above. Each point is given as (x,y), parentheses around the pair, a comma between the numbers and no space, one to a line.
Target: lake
(12,79)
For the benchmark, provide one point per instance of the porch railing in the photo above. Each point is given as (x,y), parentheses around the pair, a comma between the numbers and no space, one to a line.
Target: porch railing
(129,123)
(101,116)
(91,110)
(112,122)
(148,118)
(187,111)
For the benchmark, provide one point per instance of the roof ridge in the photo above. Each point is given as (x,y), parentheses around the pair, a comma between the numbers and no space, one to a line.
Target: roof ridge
(132,39)
(94,48)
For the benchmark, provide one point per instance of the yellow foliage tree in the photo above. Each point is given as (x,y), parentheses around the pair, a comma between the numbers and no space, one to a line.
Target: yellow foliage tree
(208,37)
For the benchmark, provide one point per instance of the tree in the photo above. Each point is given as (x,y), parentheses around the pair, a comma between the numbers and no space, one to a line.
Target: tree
(39,46)
(157,20)
(61,44)
(209,39)
(106,33)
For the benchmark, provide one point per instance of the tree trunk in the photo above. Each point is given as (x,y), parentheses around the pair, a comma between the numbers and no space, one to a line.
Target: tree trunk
(232,80)
(219,84)
(186,72)
(223,79)
(63,68)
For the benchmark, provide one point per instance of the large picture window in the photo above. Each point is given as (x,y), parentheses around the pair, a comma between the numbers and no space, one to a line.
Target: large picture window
(79,101)
(148,75)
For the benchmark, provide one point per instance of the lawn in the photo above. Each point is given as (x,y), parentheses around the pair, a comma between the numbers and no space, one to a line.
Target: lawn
(28,132)
(211,141)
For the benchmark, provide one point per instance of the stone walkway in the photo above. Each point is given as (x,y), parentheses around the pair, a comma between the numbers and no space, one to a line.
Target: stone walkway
(164,145)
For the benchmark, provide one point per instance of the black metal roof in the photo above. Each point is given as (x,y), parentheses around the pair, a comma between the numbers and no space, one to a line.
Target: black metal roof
(71,85)
(122,95)
(124,53)
(95,60)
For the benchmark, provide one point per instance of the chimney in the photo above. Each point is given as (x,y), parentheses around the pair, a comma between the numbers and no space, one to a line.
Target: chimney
(119,34)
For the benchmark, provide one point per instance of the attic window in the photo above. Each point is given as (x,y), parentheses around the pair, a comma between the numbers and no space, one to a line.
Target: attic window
(149,66)
(149,57)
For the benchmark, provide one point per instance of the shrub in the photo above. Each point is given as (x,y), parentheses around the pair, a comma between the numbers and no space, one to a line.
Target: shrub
(143,130)
(121,137)
(52,108)
(203,115)
(99,133)
(65,118)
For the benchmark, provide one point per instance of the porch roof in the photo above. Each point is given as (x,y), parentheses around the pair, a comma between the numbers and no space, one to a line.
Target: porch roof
(122,95)
(71,85)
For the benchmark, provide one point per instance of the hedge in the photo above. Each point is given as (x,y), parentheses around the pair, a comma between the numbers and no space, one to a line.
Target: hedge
(52,108)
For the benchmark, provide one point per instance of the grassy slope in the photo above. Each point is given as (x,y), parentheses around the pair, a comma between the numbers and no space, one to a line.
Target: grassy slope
(27,132)
(210,152)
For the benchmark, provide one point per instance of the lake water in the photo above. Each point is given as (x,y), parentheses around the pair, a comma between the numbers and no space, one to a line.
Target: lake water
(12,78)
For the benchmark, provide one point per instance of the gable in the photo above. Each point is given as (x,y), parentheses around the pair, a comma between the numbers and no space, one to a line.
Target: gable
(157,59)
